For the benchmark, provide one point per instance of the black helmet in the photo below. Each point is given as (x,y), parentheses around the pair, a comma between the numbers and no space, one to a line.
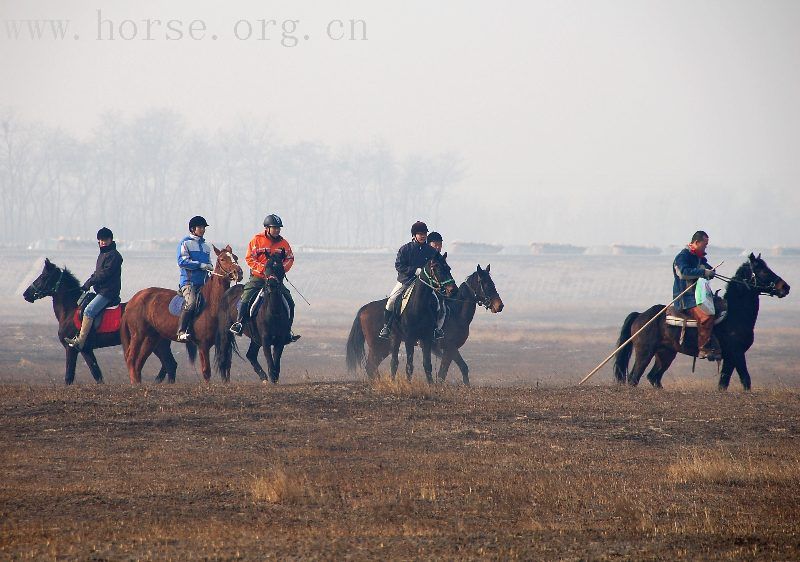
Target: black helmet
(197,221)
(105,234)
(435,237)
(273,220)
(418,226)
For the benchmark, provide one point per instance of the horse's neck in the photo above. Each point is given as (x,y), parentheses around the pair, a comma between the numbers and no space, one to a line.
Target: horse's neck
(420,298)
(742,304)
(64,305)
(213,291)
(466,312)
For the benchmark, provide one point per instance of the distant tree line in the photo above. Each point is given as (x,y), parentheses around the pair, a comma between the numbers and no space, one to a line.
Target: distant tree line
(146,175)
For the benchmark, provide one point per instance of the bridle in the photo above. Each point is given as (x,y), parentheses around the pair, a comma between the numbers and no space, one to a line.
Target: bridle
(483,300)
(232,274)
(752,283)
(42,293)
(432,279)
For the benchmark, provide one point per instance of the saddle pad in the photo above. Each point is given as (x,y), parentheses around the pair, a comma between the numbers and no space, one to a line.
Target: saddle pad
(681,322)
(107,322)
(406,297)
(176,304)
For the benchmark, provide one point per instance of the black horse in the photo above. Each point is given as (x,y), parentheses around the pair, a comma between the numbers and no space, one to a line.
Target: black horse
(735,333)
(269,329)
(477,290)
(415,324)
(65,289)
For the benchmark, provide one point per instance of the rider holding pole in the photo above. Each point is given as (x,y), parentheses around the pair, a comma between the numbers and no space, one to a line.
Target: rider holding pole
(691,264)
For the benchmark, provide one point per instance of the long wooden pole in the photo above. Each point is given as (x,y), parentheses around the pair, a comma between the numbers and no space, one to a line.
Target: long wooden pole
(639,331)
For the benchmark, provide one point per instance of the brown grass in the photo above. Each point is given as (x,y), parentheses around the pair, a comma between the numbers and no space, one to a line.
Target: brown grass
(722,466)
(276,486)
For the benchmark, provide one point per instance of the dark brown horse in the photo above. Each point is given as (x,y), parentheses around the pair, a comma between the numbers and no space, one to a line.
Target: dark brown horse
(414,325)
(735,333)
(477,290)
(147,319)
(65,289)
(268,330)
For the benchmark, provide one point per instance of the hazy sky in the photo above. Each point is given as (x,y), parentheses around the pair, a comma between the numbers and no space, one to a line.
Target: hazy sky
(578,121)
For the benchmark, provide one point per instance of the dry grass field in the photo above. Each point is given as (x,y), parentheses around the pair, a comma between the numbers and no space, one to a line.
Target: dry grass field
(397,470)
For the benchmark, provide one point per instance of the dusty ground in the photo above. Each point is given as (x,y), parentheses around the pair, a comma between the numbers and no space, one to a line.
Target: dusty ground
(335,470)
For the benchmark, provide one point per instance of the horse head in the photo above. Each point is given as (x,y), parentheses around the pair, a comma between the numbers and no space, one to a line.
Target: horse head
(482,285)
(228,264)
(762,278)
(47,284)
(438,276)
(273,270)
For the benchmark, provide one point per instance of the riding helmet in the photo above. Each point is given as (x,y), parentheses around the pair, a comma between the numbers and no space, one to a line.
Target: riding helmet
(197,221)
(419,226)
(273,220)
(105,234)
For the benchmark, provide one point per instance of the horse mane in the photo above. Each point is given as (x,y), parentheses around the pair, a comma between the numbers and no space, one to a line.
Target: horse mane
(69,280)
(742,274)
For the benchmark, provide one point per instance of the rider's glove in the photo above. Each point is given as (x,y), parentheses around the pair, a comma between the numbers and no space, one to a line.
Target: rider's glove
(418,271)
(206,267)
(709,273)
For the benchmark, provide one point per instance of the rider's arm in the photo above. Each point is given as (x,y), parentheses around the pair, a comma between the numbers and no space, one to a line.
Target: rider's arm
(252,258)
(401,264)
(185,260)
(110,268)
(288,261)
(685,270)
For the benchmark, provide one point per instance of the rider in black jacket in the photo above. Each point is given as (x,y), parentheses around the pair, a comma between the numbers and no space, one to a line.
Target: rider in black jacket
(410,258)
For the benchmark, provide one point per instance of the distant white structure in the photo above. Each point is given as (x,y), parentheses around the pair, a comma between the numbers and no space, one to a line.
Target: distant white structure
(538,248)
(460,247)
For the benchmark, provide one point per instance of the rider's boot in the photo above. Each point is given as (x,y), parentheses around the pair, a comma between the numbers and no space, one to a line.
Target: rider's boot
(388,315)
(183,325)
(80,339)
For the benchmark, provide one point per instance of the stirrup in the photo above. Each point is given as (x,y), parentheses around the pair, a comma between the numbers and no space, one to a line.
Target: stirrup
(236,328)
(184,337)
(438,334)
(292,338)
(73,343)
(384,333)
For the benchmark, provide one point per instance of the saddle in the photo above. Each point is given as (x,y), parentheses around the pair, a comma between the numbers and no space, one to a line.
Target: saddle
(256,305)
(176,304)
(682,320)
(107,321)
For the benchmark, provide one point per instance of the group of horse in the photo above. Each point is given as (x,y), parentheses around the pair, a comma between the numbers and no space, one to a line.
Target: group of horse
(147,327)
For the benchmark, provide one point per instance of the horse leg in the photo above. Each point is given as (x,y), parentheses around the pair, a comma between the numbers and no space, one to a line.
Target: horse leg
(395,360)
(205,361)
(270,361)
(726,372)
(463,366)
(664,359)
(427,365)
(741,370)
(644,354)
(72,359)
(277,352)
(447,358)
(409,359)
(169,367)
(252,356)
(91,362)
(374,359)
(139,356)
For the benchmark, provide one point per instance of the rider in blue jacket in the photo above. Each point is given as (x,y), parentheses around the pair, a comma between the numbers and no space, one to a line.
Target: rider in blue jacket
(194,260)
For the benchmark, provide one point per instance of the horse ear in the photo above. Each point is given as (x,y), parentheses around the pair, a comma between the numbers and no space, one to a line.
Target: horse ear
(444,255)
(759,255)
(751,257)
(216,250)
(479,268)
(228,248)
(488,267)
(47,262)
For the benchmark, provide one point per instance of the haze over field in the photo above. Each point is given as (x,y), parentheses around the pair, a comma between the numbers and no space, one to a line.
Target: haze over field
(581,122)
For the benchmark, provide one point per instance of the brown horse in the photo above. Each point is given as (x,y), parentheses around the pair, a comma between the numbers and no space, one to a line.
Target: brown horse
(147,319)
(414,325)
(735,333)
(477,290)
(65,289)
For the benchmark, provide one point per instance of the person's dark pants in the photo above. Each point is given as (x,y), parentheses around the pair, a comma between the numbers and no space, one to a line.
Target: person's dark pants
(249,293)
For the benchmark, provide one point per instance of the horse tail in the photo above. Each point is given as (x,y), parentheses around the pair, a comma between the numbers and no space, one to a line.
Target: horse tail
(191,351)
(624,354)
(355,344)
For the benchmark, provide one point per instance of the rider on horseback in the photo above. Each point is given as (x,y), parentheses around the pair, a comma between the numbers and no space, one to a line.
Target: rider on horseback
(258,251)
(691,264)
(194,261)
(435,241)
(107,283)
(411,258)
